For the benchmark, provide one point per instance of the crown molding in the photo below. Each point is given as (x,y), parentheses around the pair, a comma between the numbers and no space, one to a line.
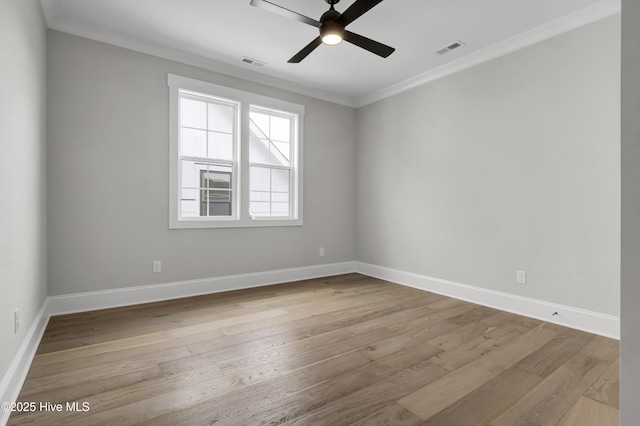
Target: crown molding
(54,22)
(565,24)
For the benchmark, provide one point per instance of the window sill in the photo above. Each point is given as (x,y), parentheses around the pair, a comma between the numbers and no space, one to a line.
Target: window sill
(250,223)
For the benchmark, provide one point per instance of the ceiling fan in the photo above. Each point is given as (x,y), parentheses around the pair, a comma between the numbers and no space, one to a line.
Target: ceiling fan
(332,27)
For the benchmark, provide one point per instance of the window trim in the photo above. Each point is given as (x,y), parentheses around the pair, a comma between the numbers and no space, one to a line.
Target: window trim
(245,101)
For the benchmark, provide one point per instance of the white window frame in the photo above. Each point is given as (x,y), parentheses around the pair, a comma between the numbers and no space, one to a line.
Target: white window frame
(245,100)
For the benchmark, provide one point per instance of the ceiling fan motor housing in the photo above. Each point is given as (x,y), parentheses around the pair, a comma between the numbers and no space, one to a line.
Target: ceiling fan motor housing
(329,27)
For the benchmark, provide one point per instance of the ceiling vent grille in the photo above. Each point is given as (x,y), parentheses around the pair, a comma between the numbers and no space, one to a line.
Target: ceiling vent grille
(251,61)
(450,47)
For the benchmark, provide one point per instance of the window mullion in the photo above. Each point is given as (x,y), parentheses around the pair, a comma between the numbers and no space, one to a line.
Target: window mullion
(243,162)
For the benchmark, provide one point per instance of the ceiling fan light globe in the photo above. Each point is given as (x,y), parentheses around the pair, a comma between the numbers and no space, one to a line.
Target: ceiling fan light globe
(332,39)
(331,32)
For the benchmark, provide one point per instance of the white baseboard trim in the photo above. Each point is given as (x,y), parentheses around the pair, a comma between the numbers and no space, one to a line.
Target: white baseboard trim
(14,377)
(83,302)
(581,319)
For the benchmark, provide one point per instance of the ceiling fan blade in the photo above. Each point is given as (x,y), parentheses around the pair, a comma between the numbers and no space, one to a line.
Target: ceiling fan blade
(368,44)
(279,10)
(305,51)
(356,10)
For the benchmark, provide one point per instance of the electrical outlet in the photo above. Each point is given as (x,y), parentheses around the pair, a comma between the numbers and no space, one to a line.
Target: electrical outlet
(16,320)
(521,277)
(321,251)
(157,266)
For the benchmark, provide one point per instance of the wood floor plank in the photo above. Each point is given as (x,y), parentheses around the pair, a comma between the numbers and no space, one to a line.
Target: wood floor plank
(184,394)
(84,351)
(438,395)
(90,360)
(555,395)
(82,392)
(603,348)
(303,311)
(296,330)
(256,397)
(350,408)
(589,412)
(343,350)
(235,346)
(549,357)
(460,335)
(488,401)
(606,388)
(493,338)
(101,371)
(217,323)
(297,404)
(390,415)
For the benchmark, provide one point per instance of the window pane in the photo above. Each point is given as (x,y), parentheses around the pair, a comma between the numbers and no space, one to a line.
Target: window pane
(270,192)
(260,196)
(280,197)
(220,146)
(280,180)
(259,209)
(214,195)
(259,143)
(221,118)
(259,151)
(280,129)
(189,208)
(190,172)
(279,209)
(216,192)
(260,179)
(277,157)
(207,189)
(193,113)
(215,179)
(284,149)
(193,143)
(189,194)
(261,122)
(265,149)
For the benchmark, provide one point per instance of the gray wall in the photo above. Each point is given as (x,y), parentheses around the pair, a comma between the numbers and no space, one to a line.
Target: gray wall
(630,340)
(108,178)
(510,165)
(23,283)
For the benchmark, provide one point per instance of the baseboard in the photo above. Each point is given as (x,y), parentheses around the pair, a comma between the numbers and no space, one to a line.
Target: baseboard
(581,319)
(82,302)
(14,377)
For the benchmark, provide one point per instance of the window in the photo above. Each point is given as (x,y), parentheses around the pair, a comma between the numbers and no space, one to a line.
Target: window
(235,157)
(207,156)
(270,152)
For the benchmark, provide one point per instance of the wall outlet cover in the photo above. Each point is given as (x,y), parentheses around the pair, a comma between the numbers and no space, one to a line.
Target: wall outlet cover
(521,277)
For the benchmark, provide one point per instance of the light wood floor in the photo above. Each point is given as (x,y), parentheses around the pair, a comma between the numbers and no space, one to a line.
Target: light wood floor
(346,350)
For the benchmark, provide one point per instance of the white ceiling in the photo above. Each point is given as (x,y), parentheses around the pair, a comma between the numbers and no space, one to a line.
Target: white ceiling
(216,34)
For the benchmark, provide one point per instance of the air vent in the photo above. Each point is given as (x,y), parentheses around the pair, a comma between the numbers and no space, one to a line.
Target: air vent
(251,61)
(450,47)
